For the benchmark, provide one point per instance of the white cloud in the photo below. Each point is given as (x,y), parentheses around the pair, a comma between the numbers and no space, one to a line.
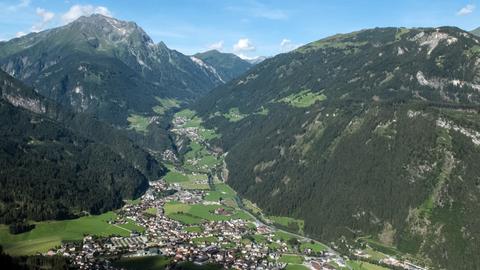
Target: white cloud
(216,46)
(77,11)
(287,45)
(243,45)
(21,4)
(45,16)
(245,57)
(20,34)
(468,9)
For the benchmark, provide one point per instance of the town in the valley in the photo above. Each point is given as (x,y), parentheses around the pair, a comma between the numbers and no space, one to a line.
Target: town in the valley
(196,217)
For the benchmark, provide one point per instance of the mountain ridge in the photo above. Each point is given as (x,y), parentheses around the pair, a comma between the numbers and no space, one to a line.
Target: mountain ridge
(228,65)
(56,62)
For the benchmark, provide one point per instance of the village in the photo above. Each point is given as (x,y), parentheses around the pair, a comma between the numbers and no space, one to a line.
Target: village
(198,219)
(220,242)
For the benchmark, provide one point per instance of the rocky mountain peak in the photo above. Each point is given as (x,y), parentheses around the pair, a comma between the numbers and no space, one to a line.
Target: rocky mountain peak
(115,30)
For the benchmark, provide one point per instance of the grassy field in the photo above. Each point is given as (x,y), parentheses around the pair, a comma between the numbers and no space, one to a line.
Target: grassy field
(131,225)
(186,219)
(194,214)
(253,208)
(165,104)
(359,265)
(274,246)
(179,212)
(290,258)
(187,180)
(289,222)
(207,134)
(176,207)
(199,159)
(283,236)
(194,229)
(234,115)
(192,120)
(376,245)
(49,234)
(296,267)
(375,255)
(142,263)
(208,239)
(316,247)
(151,211)
(175,177)
(221,191)
(193,185)
(259,238)
(303,99)
(187,113)
(138,123)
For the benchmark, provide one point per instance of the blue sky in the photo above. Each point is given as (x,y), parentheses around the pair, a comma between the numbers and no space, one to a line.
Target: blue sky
(248,28)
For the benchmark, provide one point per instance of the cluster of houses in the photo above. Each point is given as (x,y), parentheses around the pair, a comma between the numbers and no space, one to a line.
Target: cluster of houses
(218,242)
(226,242)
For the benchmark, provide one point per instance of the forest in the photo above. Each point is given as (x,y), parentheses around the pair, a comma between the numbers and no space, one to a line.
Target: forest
(369,158)
(57,164)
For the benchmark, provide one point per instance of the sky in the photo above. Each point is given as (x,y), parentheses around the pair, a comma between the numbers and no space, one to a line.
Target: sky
(247,28)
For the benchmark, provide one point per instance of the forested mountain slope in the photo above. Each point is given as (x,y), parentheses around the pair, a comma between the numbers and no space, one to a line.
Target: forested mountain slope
(476,31)
(110,69)
(374,133)
(56,164)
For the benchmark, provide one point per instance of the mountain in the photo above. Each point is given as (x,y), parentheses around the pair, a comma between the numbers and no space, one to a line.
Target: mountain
(57,164)
(256,60)
(110,69)
(374,133)
(227,65)
(476,31)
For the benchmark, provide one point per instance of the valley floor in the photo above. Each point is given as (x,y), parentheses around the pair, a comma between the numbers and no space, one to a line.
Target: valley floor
(189,216)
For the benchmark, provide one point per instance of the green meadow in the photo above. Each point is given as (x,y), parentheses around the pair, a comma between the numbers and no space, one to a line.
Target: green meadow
(198,213)
(303,99)
(186,180)
(290,258)
(359,265)
(165,104)
(234,115)
(48,234)
(296,267)
(316,247)
(138,123)
(288,222)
